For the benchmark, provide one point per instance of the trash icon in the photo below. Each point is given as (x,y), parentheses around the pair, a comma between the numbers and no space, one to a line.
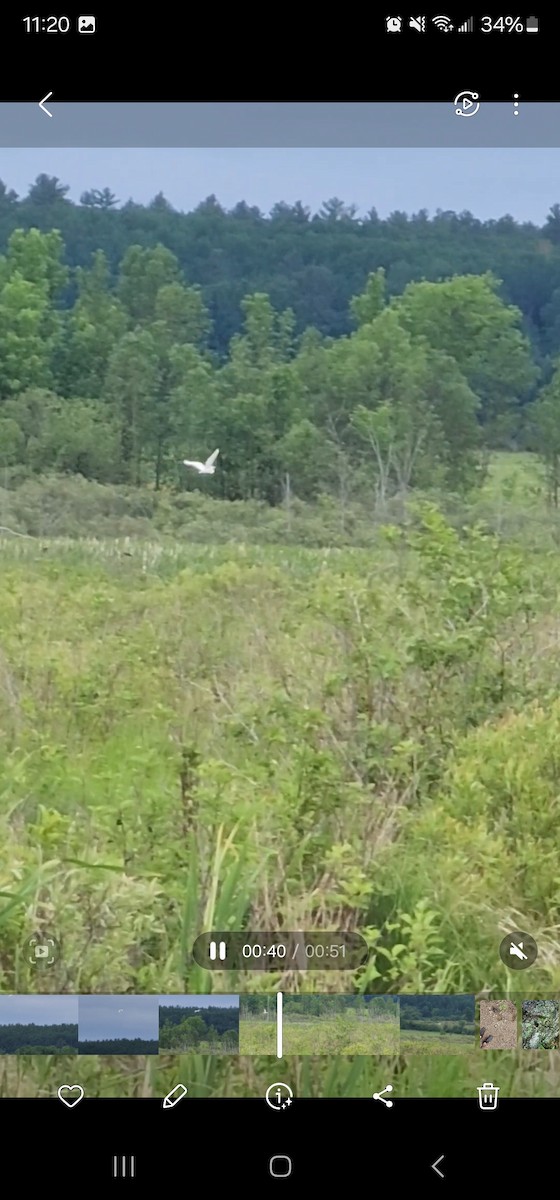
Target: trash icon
(488,1097)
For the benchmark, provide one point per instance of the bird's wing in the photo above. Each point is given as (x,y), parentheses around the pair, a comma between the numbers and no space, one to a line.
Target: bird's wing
(188,463)
(210,461)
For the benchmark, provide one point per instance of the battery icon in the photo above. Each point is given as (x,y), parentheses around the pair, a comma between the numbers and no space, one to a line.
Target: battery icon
(532,25)
(217,950)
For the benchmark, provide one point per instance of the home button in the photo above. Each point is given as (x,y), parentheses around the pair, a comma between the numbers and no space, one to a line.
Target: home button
(280,1166)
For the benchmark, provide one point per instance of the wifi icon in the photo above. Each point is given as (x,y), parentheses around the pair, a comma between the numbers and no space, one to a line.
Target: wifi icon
(442,23)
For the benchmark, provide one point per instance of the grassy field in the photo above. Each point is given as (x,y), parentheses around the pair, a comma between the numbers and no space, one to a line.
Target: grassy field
(246,736)
(520,1074)
(340,1034)
(257,1037)
(207,1047)
(414,1041)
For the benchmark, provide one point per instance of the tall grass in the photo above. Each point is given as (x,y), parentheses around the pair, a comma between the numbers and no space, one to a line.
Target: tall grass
(235,735)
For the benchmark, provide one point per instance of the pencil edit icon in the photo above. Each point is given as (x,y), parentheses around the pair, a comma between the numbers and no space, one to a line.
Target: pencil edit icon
(173,1097)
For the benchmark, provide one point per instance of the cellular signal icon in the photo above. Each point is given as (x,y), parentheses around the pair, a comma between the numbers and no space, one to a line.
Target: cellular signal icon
(442,23)
(467,26)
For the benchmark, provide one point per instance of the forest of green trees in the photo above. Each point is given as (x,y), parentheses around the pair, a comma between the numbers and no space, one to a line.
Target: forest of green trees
(185,1027)
(317,1006)
(323,354)
(451,1014)
(119,1046)
(30,1038)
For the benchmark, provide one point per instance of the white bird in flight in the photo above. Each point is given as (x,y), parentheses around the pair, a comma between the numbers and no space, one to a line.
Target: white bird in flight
(205,468)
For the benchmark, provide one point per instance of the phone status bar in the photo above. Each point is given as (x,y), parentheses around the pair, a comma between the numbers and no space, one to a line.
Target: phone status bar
(442,24)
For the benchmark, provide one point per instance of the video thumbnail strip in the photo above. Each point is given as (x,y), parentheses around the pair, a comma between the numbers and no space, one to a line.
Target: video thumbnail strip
(276,1025)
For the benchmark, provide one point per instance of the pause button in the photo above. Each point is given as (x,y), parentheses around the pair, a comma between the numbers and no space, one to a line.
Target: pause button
(124,1166)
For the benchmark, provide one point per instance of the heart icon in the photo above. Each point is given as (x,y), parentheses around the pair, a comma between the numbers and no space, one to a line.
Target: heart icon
(70,1094)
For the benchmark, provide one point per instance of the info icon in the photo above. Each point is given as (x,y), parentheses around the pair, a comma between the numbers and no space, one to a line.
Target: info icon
(279,1096)
(518,950)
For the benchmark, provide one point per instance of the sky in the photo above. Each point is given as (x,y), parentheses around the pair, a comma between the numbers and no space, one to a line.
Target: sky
(38,1010)
(102,1017)
(487,182)
(200,1001)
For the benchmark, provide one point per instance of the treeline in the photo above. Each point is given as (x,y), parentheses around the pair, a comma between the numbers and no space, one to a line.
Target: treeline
(448,1014)
(38,1039)
(212,1029)
(438,1026)
(309,1005)
(122,384)
(218,1016)
(119,1046)
(48,1048)
(373,1006)
(310,263)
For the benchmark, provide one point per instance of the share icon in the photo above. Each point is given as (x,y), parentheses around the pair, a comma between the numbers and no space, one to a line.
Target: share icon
(380,1095)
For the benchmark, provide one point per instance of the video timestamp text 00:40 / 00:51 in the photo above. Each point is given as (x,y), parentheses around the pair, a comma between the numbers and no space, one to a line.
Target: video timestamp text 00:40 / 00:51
(271,951)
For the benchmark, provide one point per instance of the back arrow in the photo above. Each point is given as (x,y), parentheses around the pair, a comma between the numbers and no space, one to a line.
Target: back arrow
(42,104)
(435,1166)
